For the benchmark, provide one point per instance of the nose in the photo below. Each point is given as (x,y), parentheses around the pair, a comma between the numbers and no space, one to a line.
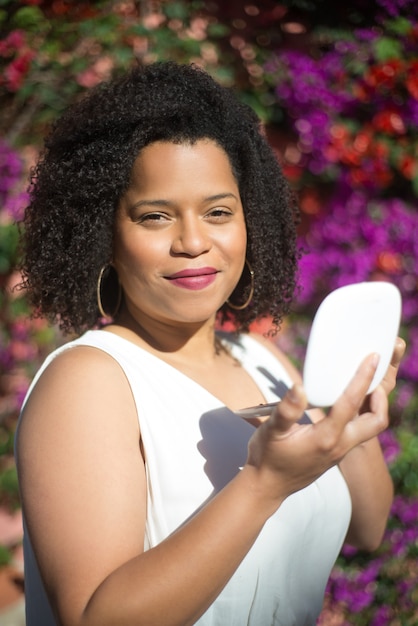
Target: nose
(191,237)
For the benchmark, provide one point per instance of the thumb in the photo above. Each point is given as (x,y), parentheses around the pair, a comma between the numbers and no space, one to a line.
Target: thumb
(289,410)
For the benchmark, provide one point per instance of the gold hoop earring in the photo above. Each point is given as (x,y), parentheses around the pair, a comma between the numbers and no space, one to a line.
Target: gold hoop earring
(107,269)
(240,307)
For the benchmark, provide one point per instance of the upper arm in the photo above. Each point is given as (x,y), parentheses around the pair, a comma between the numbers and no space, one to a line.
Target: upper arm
(81,475)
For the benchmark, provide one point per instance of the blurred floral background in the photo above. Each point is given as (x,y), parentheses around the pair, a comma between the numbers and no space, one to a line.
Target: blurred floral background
(337,90)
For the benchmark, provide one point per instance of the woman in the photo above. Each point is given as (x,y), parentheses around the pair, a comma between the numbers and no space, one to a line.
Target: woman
(146,499)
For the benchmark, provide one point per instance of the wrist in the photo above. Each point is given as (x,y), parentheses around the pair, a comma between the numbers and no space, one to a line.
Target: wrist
(262,489)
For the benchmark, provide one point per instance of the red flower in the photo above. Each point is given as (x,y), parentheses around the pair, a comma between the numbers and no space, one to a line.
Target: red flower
(350,155)
(362,142)
(389,122)
(408,166)
(358,177)
(371,172)
(381,174)
(76,10)
(310,202)
(380,150)
(292,172)
(389,262)
(411,81)
(384,74)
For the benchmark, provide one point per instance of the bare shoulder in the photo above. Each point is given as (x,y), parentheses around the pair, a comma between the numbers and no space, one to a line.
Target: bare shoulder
(78,363)
(78,443)
(280,355)
(83,394)
(82,399)
(79,376)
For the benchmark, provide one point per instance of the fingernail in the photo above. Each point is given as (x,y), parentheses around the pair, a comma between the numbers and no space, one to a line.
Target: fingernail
(375,359)
(293,395)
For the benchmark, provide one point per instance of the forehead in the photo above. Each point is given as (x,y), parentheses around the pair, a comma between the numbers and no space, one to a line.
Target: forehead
(164,161)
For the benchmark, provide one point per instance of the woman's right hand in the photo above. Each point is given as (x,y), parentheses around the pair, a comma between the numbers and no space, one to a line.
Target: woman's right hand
(288,456)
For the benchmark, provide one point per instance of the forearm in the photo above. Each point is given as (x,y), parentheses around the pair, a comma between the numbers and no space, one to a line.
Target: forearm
(371,490)
(175,582)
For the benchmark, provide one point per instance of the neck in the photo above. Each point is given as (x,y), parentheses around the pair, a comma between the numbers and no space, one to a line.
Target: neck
(188,340)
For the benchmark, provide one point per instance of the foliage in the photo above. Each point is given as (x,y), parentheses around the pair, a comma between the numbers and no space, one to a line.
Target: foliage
(352,104)
(52,52)
(22,341)
(351,101)
(380,590)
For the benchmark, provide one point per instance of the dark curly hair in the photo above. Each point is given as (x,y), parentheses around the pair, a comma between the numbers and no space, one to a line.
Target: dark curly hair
(85,167)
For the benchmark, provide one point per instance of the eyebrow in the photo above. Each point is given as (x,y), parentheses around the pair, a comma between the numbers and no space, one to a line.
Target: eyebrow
(161,202)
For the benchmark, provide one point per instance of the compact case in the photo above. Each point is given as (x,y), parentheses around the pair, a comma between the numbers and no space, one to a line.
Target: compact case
(351,323)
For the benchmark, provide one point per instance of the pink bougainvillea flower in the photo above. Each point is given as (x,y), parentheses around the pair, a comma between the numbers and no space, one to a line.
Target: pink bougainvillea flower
(97,73)
(11,528)
(14,41)
(153,20)
(16,71)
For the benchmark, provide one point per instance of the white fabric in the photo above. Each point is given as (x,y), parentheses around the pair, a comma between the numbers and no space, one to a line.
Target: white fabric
(193,446)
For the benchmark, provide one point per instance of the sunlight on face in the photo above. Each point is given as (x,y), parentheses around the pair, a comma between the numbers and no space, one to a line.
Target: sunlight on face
(180,236)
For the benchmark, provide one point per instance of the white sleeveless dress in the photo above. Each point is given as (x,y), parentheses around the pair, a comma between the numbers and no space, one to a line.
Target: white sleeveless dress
(194,446)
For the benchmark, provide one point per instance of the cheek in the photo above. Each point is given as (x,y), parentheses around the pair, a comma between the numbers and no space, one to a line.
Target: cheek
(236,242)
(136,254)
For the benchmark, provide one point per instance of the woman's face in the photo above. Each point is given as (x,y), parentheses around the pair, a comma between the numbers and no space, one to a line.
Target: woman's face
(180,236)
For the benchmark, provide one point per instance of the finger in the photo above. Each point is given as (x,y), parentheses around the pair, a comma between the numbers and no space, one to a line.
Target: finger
(348,404)
(339,437)
(289,410)
(398,352)
(369,425)
(389,379)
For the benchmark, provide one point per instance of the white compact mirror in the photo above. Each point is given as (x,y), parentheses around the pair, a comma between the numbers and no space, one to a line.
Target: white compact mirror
(351,323)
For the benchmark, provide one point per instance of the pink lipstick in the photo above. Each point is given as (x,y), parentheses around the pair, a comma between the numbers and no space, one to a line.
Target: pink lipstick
(194,279)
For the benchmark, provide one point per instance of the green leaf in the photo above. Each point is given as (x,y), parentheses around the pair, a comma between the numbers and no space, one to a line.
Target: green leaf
(218,30)
(139,29)
(386,48)
(405,469)
(176,11)
(415,185)
(19,307)
(5,555)
(8,481)
(123,55)
(6,441)
(103,29)
(8,247)
(400,26)
(29,18)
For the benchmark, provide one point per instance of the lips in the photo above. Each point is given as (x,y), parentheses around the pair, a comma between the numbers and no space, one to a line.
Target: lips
(194,279)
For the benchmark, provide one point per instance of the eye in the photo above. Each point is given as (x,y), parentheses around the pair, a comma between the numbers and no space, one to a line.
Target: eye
(152,219)
(219,214)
